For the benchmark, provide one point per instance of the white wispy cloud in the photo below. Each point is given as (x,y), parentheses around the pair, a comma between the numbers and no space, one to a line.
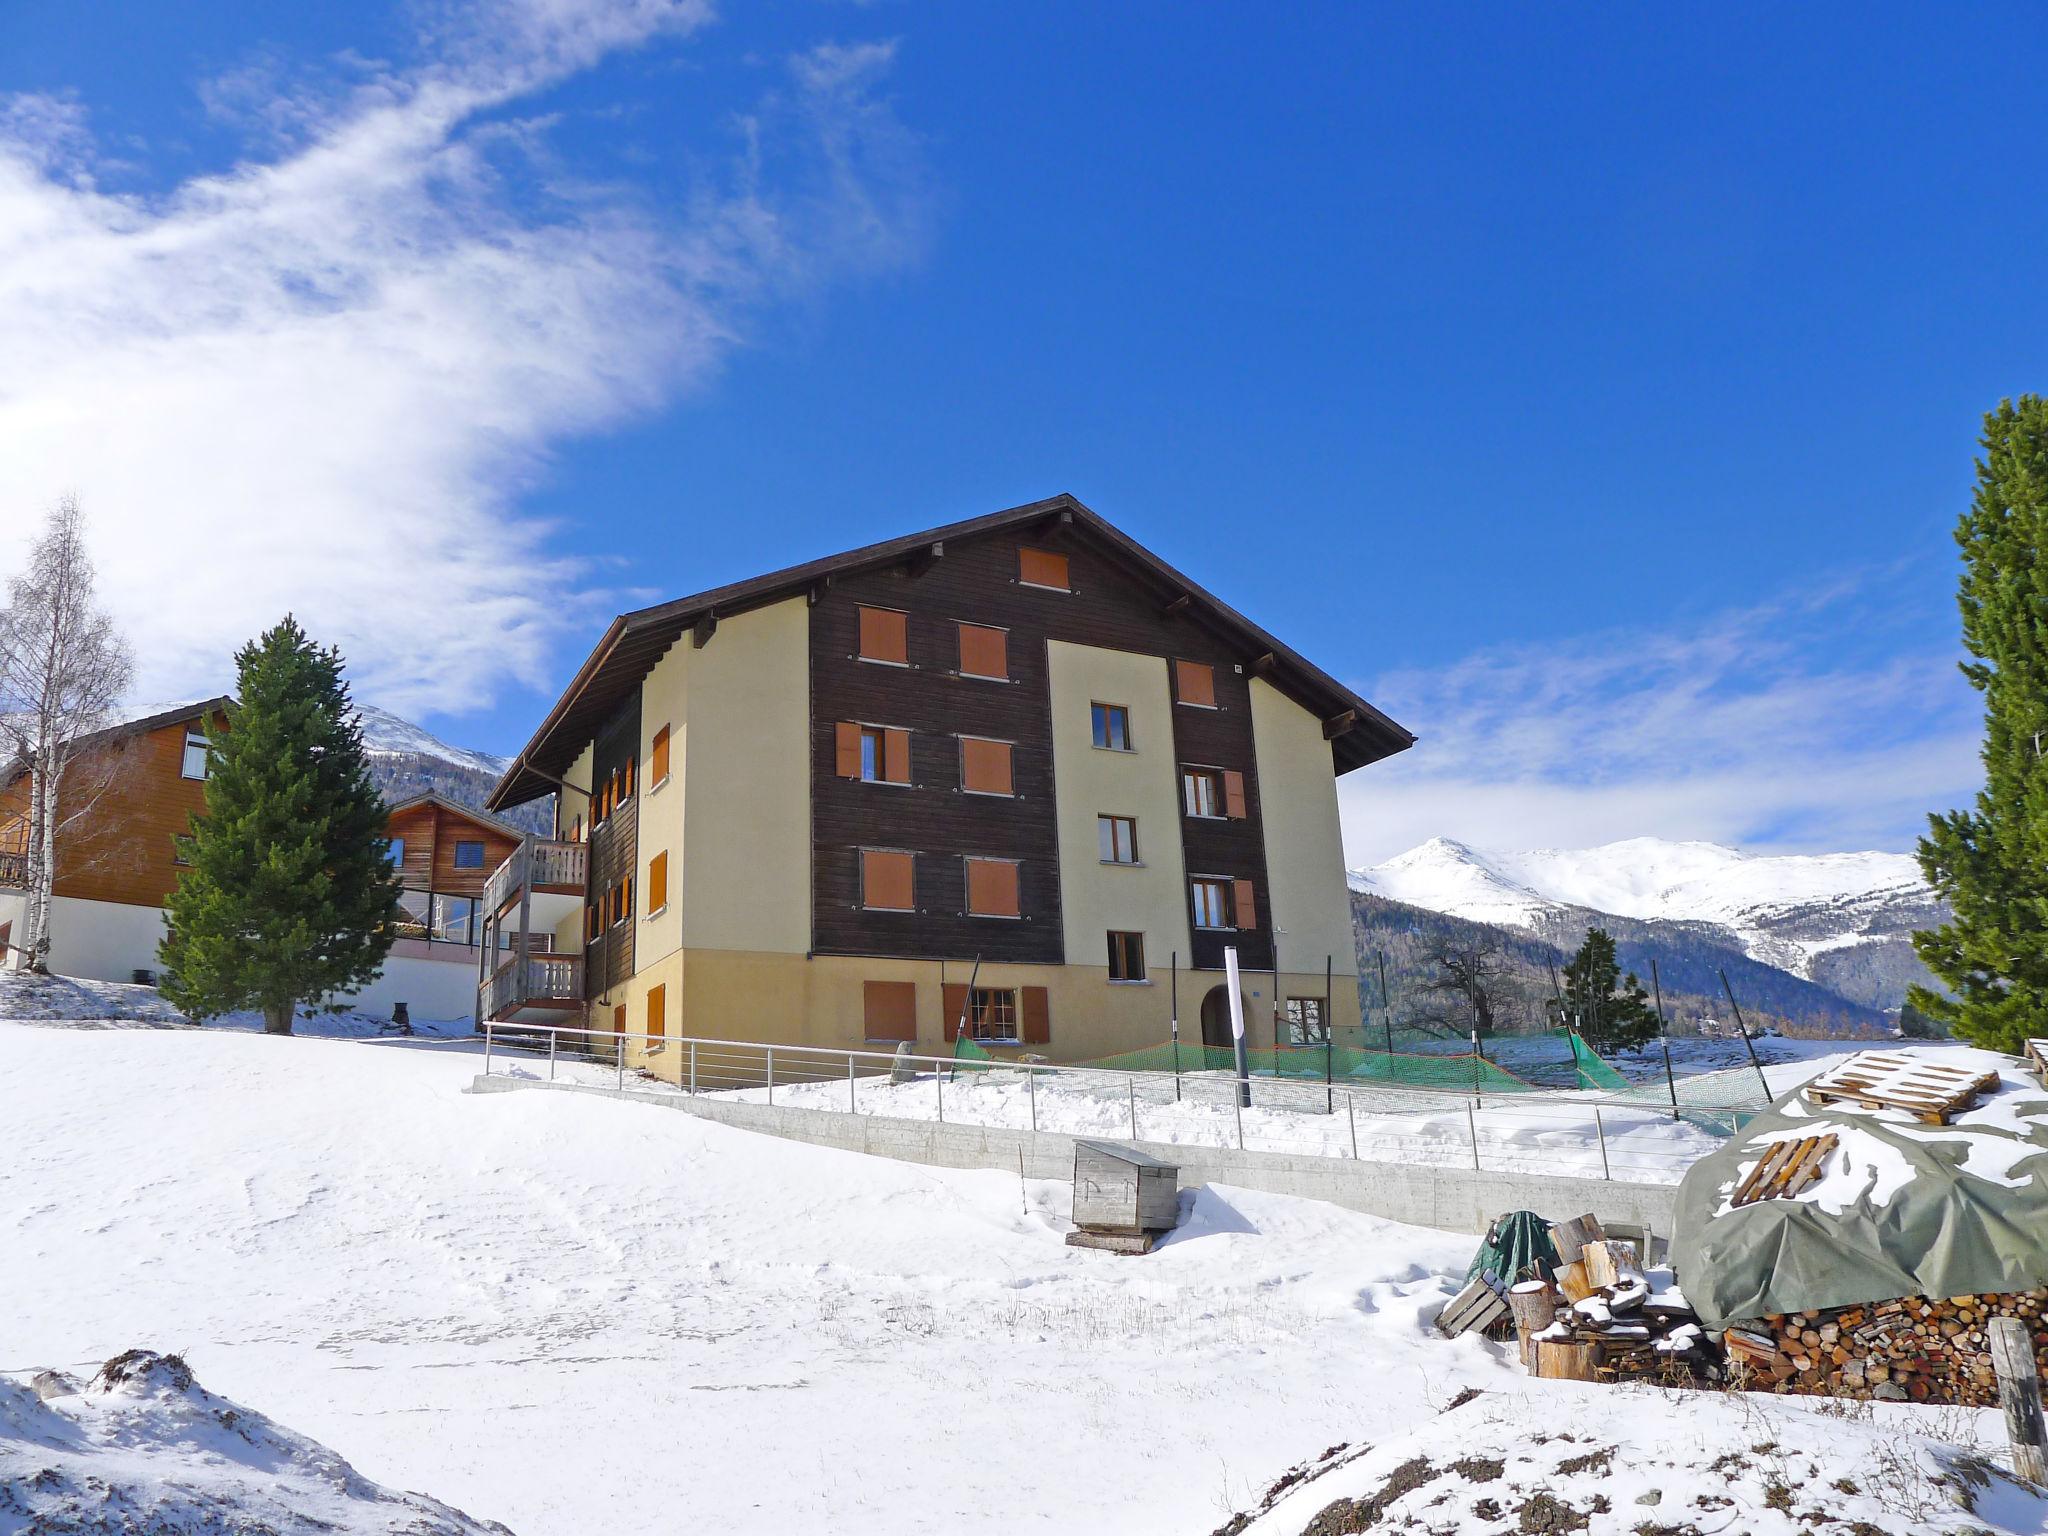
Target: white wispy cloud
(1832,719)
(322,379)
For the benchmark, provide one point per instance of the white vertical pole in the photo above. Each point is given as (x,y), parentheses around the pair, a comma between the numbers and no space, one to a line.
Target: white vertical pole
(1132,1084)
(852,1094)
(1351,1114)
(693,1065)
(487,1047)
(771,1074)
(554,1039)
(939,1083)
(1031,1088)
(1600,1130)
(1472,1130)
(621,1054)
(1237,1114)
(1244,1071)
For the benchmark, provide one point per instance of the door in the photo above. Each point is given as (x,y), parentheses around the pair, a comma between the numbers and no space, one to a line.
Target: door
(1216,1019)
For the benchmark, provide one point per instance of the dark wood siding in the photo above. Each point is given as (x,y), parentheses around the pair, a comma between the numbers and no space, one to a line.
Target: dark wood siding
(976,581)
(614,853)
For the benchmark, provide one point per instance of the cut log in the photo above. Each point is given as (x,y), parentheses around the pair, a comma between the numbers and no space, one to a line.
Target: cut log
(1572,1280)
(1569,1237)
(2019,1395)
(1564,1362)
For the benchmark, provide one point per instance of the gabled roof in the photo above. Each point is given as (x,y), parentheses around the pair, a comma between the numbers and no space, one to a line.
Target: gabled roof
(455,808)
(153,717)
(636,641)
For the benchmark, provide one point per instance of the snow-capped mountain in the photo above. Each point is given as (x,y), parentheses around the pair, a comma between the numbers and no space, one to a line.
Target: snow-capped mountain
(1825,917)
(385,735)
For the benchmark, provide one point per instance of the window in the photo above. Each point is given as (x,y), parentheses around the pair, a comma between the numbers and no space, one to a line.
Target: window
(887,880)
(984,652)
(1116,839)
(469,855)
(622,901)
(877,754)
(1305,1023)
(194,765)
(991,887)
(885,636)
(1126,956)
(394,851)
(890,1010)
(452,919)
(178,855)
(657,882)
(657,761)
(1212,903)
(1042,568)
(992,1014)
(657,1010)
(1112,727)
(1201,791)
(985,766)
(1194,682)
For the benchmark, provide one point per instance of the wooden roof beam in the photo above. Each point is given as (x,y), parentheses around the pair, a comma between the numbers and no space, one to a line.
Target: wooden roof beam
(1337,725)
(702,631)
(1045,528)
(1265,664)
(819,588)
(925,559)
(1177,605)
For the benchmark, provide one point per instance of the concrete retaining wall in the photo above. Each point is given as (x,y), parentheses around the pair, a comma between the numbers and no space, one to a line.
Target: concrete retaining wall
(1453,1199)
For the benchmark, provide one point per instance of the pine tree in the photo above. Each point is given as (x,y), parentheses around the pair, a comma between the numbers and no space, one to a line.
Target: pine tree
(289,895)
(1611,1012)
(1991,864)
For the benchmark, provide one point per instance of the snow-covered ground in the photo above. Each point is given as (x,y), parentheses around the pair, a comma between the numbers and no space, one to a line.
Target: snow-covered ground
(86,1004)
(575,1314)
(141,1449)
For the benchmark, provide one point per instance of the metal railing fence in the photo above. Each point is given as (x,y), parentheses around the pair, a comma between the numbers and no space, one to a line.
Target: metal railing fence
(1571,1135)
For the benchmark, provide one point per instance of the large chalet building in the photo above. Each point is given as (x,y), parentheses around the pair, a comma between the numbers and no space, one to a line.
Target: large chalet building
(1019,751)
(128,797)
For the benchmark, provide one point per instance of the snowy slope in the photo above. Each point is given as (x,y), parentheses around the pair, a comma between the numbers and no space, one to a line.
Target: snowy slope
(141,1449)
(1785,910)
(388,736)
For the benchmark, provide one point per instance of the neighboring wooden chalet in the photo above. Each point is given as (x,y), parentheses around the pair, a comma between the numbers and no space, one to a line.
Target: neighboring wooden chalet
(802,808)
(117,864)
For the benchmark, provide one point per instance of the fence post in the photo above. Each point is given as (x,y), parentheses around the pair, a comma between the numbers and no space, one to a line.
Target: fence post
(693,1066)
(2019,1394)
(939,1082)
(1600,1130)
(1351,1114)
(771,1075)
(852,1093)
(1132,1084)
(621,1053)
(1237,1113)
(554,1039)
(1031,1089)
(487,1047)
(1472,1130)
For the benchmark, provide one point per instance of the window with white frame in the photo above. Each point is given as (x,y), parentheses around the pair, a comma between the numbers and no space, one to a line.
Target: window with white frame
(194,764)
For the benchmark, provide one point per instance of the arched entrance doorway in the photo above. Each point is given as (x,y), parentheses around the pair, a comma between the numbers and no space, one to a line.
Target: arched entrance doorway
(1216,1019)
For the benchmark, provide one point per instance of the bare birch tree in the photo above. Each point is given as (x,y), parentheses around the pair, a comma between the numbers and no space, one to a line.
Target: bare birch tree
(63,666)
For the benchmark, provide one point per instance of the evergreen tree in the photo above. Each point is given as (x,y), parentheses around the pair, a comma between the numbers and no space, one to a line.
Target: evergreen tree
(1610,1011)
(289,894)
(1991,864)
(1915,1025)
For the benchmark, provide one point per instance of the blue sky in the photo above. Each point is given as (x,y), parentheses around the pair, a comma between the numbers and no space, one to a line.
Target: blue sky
(1596,392)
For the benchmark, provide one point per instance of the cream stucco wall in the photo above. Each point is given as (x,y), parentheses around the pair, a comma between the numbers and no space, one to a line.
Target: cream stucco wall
(746,871)
(1149,898)
(1304,843)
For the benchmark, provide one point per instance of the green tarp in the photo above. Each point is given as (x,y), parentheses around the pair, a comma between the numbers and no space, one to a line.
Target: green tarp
(1903,1208)
(1517,1247)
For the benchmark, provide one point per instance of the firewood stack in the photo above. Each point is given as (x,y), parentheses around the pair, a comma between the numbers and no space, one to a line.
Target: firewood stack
(1912,1349)
(1600,1319)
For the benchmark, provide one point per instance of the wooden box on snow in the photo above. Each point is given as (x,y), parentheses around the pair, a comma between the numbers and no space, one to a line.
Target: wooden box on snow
(1123,1196)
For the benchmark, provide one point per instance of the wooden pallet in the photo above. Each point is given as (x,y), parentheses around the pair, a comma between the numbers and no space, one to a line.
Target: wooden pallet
(1785,1169)
(1478,1307)
(1926,1090)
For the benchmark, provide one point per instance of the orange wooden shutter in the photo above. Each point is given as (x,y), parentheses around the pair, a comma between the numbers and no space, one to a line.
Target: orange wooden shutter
(884,635)
(846,749)
(991,888)
(896,756)
(1245,911)
(954,1001)
(1194,682)
(890,1009)
(657,1011)
(887,880)
(619,1019)
(626,774)
(1042,568)
(984,652)
(1233,794)
(658,767)
(657,881)
(1035,1009)
(985,766)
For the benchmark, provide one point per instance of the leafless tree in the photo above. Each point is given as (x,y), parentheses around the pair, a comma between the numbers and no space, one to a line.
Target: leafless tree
(63,666)
(1472,984)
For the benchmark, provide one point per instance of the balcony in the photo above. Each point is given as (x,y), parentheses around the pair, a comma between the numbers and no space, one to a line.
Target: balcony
(536,985)
(549,866)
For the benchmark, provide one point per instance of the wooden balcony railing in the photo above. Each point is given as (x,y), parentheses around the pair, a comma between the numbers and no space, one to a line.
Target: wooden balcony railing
(545,864)
(539,981)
